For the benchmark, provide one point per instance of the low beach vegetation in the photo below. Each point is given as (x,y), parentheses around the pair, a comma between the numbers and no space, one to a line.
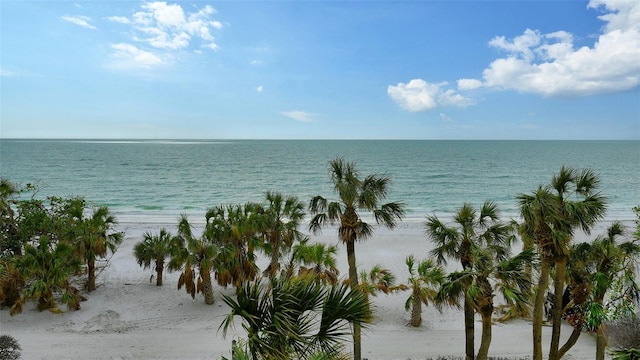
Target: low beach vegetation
(47,244)
(298,307)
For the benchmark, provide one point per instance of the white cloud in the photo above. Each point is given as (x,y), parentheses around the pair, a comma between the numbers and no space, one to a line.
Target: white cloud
(79,20)
(419,95)
(259,88)
(128,56)
(469,84)
(255,62)
(167,26)
(550,65)
(119,19)
(445,118)
(297,115)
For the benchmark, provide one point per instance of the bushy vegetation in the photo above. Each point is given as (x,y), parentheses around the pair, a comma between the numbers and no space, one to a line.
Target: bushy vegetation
(45,244)
(9,348)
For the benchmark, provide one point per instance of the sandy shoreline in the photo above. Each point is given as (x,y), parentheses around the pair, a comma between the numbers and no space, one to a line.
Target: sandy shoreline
(128,317)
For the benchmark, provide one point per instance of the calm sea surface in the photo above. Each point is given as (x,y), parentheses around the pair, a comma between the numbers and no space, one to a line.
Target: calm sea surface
(158,180)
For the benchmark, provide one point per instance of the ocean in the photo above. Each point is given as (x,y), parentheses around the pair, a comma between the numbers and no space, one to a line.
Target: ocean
(156,181)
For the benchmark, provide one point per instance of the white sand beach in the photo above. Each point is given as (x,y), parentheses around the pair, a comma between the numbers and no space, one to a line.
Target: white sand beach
(128,317)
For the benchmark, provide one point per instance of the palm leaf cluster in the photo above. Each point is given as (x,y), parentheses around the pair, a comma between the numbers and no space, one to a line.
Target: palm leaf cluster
(295,317)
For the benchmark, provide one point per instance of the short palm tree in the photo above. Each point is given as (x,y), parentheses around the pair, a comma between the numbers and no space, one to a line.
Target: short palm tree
(196,257)
(48,267)
(96,239)
(236,230)
(291,317)
(354,194)
(470,228)
(424,280)
(283,217)
(378,279)
(11,282)
(594,269)
(551,215)
(154,249)
(316,259)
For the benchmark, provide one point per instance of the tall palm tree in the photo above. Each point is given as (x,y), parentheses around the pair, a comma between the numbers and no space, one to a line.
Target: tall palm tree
(477,286)
(96,239)
(236,230)
(424,280)
(457,240)
(290,317)
(154,249)
(196,257)
(551,215)
(283,217)
(355,194)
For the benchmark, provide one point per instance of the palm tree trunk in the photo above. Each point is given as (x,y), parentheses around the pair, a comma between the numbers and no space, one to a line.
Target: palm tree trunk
(601,342)
(483,352)
(538,309)
(274,264)
(558,309)
(573,338)
(353,281)
(91,279)
(416,309)
(207,288)
(469,331)
(46,301)
(159,271)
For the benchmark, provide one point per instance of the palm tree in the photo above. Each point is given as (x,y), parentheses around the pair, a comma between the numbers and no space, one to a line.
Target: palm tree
(11,282)
(595,268)
(236,230)
(154,249)
(478,284)
(423,280)
(378,279)
(196,258)
(317,259)
(551,215)
(355,194)
(10,243)
(456,242)
(283,217)
(95,239)
(48,267)
(290,317)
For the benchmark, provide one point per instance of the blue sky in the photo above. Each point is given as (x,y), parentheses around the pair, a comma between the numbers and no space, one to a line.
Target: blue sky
(320,69)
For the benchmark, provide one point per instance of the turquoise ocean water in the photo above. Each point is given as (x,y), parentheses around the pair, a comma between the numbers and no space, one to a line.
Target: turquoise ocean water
(155,181)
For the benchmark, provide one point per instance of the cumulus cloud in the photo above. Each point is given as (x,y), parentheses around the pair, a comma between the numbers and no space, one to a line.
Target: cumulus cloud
(419,95)
(469,84)
(259,88)
(79,20)
(127,56)
(298,115)
(550,64)
(169,27)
